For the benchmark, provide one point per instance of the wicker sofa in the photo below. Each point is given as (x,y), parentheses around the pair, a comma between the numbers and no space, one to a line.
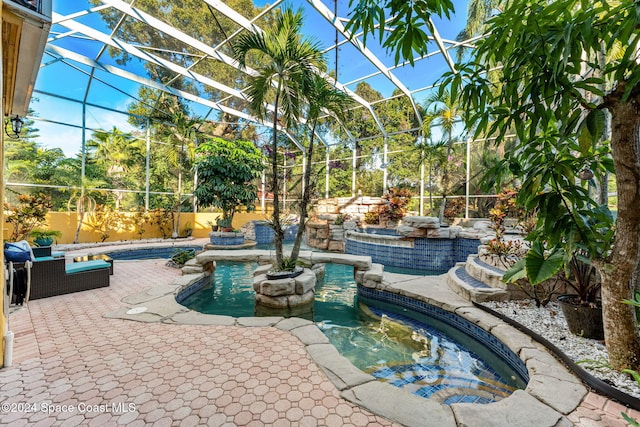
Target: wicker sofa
(52,276)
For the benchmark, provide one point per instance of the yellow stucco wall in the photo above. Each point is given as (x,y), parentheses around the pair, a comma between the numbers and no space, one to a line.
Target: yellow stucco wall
(66,223)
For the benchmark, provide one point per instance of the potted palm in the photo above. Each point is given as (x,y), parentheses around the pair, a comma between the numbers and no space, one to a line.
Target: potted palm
(43,237)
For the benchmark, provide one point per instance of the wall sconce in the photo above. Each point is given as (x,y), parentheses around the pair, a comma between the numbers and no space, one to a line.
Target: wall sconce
(16,126)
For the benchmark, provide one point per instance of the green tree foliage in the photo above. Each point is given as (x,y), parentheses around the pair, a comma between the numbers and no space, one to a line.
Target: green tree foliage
(478,13)
(121,156)
(189,17)
(559,73)
(557,110)
(397,115)
(410,22)
(30,162)
(289,61)
(178,135)
(226,171)
(321,98)
(445,111)
(28,213)
(403,160)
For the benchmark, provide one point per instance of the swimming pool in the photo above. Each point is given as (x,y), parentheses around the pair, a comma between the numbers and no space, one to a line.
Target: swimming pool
(149,252)
(405,348)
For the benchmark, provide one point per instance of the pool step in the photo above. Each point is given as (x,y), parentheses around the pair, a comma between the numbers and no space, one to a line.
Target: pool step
(467,286)
(488,274)
(492,276)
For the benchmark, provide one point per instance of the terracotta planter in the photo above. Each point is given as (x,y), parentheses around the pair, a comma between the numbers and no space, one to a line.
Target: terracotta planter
(582,321)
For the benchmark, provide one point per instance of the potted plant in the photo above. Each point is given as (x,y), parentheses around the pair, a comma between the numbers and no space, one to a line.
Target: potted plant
(290,268)
(43,237)
(582,309)
(395,205)
(224,224)
(187,230)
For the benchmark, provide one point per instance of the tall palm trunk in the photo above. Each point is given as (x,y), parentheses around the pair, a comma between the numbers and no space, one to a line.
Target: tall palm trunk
(84,204)
(430,186)
(306,196)
(620,327)
(176,230)
(277,226)
(80,209)
(445,181)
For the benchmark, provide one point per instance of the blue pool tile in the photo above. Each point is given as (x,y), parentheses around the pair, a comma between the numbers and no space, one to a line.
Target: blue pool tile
(452,319)
(437,255)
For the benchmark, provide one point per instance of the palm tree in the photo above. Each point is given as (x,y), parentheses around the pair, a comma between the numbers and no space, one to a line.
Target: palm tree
(434,154)
(83,202)
(445,111)
(287,63)
(178,130)
(478,13)
(321,97)
(118,152)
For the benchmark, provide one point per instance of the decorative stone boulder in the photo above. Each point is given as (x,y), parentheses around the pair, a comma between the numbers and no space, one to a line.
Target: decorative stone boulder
(482,226)
(319,271)
(408,231)
(429,222)
(318,234)
(285,294)
(444,232)
(349,225)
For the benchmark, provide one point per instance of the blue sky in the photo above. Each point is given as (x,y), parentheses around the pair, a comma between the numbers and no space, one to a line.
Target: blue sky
(65,81)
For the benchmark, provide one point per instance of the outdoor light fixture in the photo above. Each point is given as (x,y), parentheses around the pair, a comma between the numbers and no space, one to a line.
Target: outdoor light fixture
(16,126)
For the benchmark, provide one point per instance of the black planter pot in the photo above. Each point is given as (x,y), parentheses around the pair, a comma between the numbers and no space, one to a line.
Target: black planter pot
(582,321)
(274,275)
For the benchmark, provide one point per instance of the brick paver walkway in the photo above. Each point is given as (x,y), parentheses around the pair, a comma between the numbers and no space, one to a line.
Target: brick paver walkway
(72,366)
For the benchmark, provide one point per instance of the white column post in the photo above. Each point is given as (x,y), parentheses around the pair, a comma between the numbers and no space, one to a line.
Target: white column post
(354,162)
(147,177)
(284,183)
(304,170)
(467,186)
(385,150)
(326,173)
(422,182)
(263,184)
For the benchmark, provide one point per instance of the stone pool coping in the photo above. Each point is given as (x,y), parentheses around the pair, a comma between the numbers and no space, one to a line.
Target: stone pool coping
(552,392)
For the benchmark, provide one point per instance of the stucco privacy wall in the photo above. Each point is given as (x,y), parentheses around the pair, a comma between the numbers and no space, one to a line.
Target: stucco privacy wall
(66,223)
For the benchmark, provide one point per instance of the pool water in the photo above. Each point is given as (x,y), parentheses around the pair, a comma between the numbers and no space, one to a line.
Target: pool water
(149,253)
(405,348)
